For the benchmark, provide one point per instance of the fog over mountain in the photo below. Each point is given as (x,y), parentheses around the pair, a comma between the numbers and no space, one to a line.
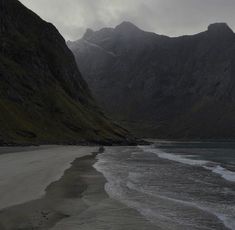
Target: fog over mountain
(169,17)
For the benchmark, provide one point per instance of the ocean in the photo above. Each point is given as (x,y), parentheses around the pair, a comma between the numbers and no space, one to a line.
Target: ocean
(174,185)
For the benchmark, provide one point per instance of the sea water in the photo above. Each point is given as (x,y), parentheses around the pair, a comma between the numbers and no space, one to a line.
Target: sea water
(174,185)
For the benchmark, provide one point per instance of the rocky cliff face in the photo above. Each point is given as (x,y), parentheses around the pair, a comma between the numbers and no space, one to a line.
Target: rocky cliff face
(163,87)
(43,98)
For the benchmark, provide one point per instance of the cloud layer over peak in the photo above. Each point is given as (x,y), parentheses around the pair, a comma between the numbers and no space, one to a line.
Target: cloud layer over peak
(169,17)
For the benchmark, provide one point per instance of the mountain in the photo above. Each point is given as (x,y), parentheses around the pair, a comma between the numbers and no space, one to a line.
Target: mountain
(159,86)
(43,98)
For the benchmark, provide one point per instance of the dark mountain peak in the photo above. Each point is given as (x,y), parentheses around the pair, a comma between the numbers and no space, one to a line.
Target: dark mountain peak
(127,27)
(97,36)
(161,86)
(220,28)
(89,33)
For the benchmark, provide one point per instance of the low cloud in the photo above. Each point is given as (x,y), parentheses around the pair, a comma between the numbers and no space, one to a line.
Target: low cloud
(169,17)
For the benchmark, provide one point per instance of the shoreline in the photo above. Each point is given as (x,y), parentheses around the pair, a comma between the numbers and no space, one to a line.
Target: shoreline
(77,198)
(125,142)
(45,212)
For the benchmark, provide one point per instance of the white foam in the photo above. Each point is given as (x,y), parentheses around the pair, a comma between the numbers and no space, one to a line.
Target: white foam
(187,159)
(228,221)
(124,186)
(225,173)
(174,157)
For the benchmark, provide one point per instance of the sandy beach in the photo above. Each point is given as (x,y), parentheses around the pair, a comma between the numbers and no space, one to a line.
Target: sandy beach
(75,198)
(116,188)
(25,174)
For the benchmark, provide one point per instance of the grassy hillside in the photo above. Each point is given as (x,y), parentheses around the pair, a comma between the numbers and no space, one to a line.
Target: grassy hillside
(43,98)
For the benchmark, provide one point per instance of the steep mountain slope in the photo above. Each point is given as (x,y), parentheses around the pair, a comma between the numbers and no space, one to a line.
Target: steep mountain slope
(163,87)
(43,98)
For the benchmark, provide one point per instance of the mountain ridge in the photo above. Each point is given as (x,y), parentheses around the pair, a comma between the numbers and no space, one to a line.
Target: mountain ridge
(168,85)
(222,26)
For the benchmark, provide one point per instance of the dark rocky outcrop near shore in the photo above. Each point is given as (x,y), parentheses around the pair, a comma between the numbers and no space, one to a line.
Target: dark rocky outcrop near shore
(43,98)
(163,87)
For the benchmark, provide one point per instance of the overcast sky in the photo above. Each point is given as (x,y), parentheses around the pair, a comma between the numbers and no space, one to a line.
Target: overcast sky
(168,17)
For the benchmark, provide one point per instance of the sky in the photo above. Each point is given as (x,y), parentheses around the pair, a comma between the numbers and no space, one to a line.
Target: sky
(168,17)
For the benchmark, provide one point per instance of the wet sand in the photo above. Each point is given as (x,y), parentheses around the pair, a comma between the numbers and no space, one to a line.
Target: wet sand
(25,175)
(76,201)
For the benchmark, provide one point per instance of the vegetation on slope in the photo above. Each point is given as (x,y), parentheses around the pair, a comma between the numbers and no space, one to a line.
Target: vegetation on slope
(43,98)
